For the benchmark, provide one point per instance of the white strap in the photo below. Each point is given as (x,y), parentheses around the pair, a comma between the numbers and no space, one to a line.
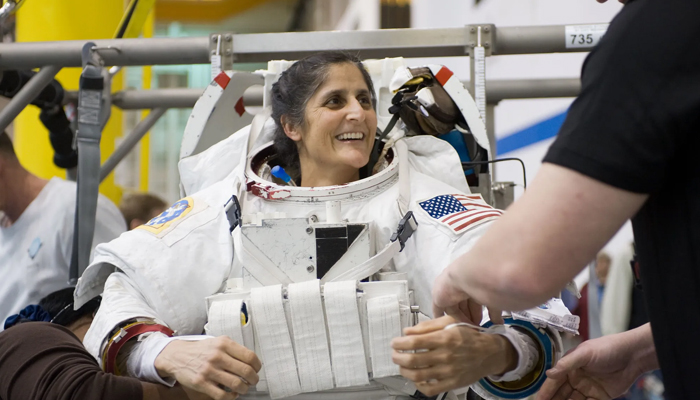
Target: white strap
(310,340)
(404,199)
(257,126)
(225,319)
(275,343)
(256,262)
(384,324)
(345,333)
(346,272)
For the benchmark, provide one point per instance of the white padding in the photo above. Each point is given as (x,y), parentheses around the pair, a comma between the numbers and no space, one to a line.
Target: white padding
(347,350)
(275,343)
(310,341)
(225,319)
(384,324)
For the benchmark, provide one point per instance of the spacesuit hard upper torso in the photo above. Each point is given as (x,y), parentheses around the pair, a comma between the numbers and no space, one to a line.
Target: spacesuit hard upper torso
(185,255)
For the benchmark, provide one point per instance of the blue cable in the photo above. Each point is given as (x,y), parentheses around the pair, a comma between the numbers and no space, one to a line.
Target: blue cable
(279,173)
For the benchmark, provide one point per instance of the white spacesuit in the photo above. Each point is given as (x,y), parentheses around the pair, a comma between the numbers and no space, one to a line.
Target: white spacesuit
(277,267)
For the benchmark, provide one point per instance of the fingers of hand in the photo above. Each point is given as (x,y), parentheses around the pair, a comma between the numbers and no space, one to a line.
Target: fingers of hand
(445,294)
(237,368)
(228,380)
(429,326)
(496,316)
(475,310)
(588,386)
(564,392)
(213,364)
(427,374)
(422,359)
(214,391)
(550,387)
(426,341)
(458,314)
(433,388)
(575,359)
(438,311)
(239,352)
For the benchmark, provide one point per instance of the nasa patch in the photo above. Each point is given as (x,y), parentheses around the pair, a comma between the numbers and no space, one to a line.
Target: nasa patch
(164,220)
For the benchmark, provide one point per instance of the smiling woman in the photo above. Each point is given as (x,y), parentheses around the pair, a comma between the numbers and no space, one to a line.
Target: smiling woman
(323,106)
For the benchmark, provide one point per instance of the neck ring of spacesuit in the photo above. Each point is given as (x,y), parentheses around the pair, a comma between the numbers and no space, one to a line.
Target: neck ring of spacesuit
(260,182)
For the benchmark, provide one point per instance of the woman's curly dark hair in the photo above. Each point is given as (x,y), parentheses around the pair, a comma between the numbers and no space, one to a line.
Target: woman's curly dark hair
(292,91)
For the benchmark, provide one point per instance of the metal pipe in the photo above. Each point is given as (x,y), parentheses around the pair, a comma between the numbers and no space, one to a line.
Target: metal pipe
(531,39)
(130,142)
(496,90)
(27,94)
(263,47)
(120,52)
(6,10)
(167,98)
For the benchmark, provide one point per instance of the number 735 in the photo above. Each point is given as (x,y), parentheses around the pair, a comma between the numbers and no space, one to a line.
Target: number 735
(582,38)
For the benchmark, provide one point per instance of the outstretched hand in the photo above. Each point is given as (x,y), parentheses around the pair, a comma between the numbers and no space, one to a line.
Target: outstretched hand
(438,360)
(598,369)
(448,299)
(218,367)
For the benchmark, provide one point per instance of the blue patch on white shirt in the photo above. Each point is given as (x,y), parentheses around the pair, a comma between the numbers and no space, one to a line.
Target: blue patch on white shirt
(34,247)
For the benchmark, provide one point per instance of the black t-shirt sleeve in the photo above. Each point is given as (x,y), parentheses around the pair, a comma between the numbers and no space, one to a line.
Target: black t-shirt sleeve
(640,98)
(45,361)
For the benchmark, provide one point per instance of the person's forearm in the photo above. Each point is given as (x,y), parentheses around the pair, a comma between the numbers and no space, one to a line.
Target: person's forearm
(543,240)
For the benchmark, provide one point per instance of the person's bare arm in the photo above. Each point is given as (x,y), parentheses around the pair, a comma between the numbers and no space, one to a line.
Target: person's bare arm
(543,240)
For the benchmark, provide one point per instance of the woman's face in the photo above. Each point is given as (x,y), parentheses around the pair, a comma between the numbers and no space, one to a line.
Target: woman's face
(340,124)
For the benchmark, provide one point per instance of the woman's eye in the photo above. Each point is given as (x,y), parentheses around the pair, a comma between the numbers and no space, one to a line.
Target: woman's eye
(333,101)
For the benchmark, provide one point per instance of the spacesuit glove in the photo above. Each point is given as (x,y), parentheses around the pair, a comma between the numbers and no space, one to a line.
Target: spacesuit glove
(602,368)
(527,349)
(217,367)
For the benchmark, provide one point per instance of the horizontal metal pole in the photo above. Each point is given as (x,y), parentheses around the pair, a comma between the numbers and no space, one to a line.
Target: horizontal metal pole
(263,47)
(120,52)
(532,40)
(167,98)
(26,95)
(496,90)
(130,141)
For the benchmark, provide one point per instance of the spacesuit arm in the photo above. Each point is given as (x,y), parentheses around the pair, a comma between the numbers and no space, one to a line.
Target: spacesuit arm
(123,315)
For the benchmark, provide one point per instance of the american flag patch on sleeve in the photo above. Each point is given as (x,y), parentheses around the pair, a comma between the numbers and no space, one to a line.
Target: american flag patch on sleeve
(459,212)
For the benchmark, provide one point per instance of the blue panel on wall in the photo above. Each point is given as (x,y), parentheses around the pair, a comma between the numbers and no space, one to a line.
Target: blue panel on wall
(531,135)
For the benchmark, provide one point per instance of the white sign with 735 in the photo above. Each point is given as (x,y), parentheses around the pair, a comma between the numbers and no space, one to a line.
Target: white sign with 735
(584,36)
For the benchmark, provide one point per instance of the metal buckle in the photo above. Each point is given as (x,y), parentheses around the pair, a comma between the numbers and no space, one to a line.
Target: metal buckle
(407,226)
(233,213)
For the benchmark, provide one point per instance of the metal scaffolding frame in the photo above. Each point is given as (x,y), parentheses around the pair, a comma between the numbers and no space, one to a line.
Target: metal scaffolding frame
(263,47)
(475,41)
(51,56)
